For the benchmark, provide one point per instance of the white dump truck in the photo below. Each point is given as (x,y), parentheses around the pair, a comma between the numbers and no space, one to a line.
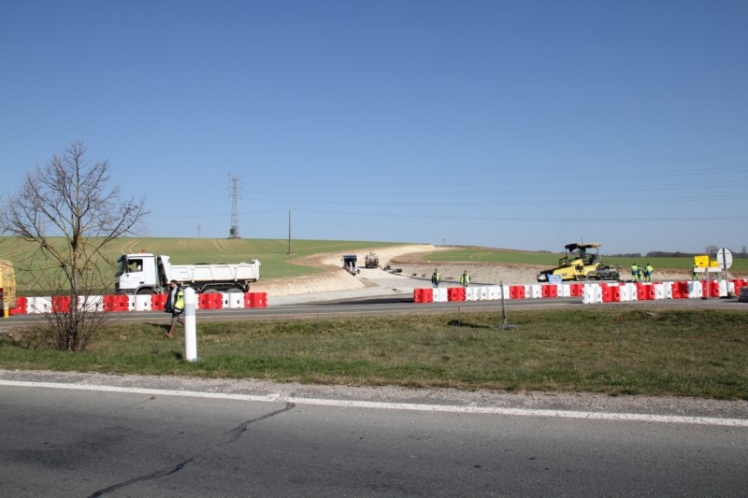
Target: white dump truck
(146,273)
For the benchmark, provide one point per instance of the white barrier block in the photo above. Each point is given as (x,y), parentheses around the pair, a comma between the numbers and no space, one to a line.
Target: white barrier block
(494,292)
(534,291)
(506,292)
(625,291)
(142,302)
(564,290)
(694,289)
(471,295)
(234,300)
(722,288)
(440,295)
(39,305)
(592,293)
(632,291)
(92,303)
(483,291)
(659,291)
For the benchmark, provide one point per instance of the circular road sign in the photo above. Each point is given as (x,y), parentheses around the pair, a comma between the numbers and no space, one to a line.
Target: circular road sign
(724,258)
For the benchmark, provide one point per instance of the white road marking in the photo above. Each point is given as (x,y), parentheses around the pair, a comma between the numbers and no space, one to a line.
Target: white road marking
(484,410)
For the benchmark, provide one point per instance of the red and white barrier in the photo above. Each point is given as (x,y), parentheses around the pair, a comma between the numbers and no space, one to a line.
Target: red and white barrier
(145,302)
(590,293)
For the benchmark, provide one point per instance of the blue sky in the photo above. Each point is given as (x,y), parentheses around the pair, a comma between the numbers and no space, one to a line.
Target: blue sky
(515,124)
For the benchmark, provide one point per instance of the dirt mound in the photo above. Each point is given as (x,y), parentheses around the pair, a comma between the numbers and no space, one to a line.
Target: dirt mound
(334,278)
(409,259)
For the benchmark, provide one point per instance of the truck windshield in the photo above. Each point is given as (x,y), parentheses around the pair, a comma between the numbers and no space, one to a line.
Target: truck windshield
(129,265)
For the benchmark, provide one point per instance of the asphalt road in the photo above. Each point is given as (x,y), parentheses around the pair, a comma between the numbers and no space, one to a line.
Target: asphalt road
(86,443)
(379,305)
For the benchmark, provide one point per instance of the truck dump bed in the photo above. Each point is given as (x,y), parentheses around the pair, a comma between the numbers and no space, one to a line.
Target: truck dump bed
(234,272)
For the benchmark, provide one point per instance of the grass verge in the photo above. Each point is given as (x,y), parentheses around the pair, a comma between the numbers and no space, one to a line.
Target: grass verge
(683,353)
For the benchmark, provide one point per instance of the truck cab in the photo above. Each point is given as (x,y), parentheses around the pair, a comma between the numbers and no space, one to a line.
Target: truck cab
(140,274)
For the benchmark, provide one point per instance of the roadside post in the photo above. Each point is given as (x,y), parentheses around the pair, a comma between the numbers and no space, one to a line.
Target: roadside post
(190,326)
(724,257)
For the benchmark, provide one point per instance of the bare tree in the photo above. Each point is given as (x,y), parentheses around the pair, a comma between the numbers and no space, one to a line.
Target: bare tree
(711,250)
(68,200)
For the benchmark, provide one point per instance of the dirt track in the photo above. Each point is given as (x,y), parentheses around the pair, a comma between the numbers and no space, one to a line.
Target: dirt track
(408,258)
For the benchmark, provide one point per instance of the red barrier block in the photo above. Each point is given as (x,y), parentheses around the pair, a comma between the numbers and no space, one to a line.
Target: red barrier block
(158,301)
(109,303)
(210,301)
(428,295)
(119,302)
(710,289)
(516,292)
(417,295)
(611,293)
(576,290)
(676,290)
(251,300)
(21,307)
(680,290)
(606,293)
(261,299)
(737,285)
(455,294)
(60,304)
(550,290)
(644,292)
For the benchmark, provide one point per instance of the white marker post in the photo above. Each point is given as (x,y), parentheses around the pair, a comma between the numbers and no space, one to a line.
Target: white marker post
(190,329)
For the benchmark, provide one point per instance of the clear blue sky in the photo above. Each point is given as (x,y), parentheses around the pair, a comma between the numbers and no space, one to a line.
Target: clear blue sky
(516,124)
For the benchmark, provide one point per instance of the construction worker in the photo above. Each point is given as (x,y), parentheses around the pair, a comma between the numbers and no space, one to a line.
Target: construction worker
(465,279)
(435,279)
(175,306)
(693,272)
(648,273)
(634,272)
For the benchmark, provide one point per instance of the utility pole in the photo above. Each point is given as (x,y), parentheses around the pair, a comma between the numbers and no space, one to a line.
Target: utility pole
(236,186)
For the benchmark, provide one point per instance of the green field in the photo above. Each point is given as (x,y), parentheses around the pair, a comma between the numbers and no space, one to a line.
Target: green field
(614,351)
(277,263)
(272,253)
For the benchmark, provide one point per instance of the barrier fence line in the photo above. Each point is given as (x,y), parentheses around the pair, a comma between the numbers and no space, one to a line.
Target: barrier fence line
(145,302)
(589,292)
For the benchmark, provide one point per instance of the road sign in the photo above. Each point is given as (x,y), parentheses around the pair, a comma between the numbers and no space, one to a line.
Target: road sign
(724,258)
(701,261)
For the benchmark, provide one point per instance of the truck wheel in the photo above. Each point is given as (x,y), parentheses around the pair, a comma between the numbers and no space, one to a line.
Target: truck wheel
(145,292)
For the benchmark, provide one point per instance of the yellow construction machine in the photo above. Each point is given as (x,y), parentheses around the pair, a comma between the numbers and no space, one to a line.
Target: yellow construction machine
(579,264)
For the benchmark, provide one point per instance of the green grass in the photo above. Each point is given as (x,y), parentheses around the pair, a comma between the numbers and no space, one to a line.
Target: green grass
(277,264)
(680,353)
(272,254)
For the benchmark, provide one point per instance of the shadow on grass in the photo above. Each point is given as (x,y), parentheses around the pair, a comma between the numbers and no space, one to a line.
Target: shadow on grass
(460,323)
